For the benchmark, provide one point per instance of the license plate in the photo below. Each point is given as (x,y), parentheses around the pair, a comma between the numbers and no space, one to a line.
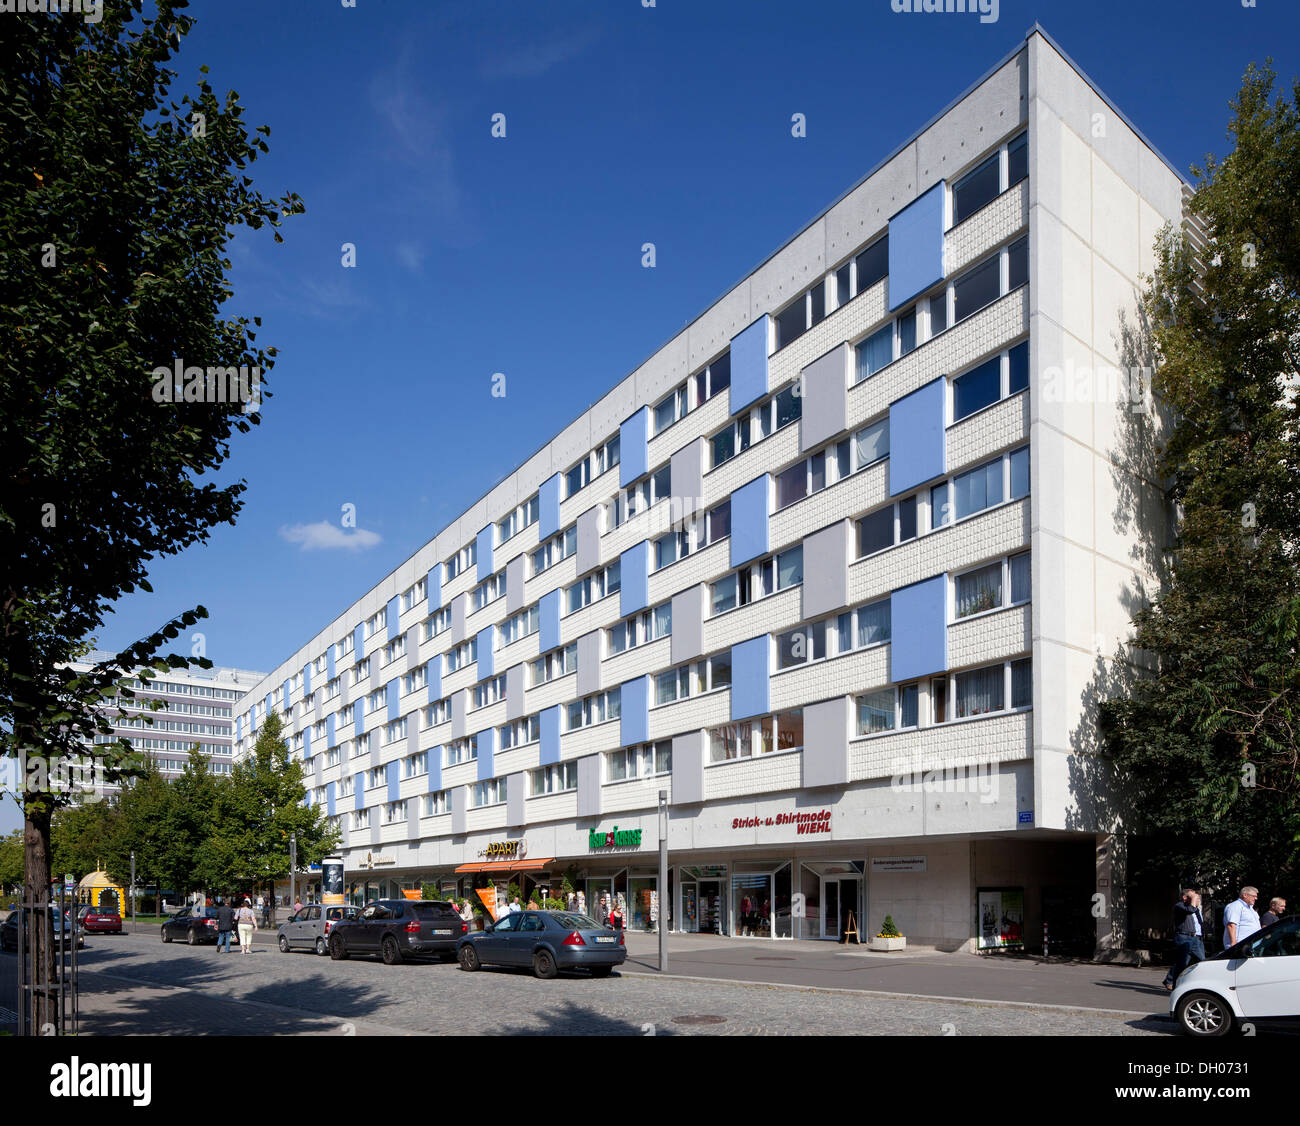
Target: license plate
(599,939)
(442,932)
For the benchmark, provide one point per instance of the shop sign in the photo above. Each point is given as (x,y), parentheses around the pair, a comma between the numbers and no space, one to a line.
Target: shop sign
(376,858)
(505,850)
(615,838)
(804,823)
(898,863)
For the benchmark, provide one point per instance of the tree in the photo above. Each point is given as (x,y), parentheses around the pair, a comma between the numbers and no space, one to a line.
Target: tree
(86,836)
(119,207)
(11,860)
(1207,747)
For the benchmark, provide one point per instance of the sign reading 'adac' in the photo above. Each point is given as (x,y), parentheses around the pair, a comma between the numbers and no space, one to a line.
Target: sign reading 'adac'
(615,838)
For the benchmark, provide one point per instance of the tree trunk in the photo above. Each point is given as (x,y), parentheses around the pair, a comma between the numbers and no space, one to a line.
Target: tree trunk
(36,889)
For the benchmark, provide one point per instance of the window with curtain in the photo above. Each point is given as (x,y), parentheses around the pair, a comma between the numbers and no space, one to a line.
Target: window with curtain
(978,692)
(978,591)
(875,352)
(907,704)
(1022,683)
(792,485)
(789,568)
(876,712)
(1019,567)
(873,623)
(873,442)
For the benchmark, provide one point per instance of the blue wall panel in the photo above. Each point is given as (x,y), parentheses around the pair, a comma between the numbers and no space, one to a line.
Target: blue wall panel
(918,448)
(634,581)
(306,679)
(919,625)
(916,247)
(487,750)
(487,652)
(239,727)
(749,364)
(434,585)
(330,739)
(329,662)
(485,567)
(392,618)
(359,791)
(548,621)
(751,674)
(285,690)
(634,720)
(306,743)
(358,716)
(270,705)
(358,643)
(549,721)
(548,507)
(394,779)
(435,679)
(749,520)
(394,700)
(435,770)
(329,798)
(634,447)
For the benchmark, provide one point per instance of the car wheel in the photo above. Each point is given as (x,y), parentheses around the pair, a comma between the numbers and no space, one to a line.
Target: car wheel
(601,971)
(390,951)
(468,958)
(284,945)
(165,936)
(191,937)
(1204,1014)
(321,948)
(338,951)
(544,965)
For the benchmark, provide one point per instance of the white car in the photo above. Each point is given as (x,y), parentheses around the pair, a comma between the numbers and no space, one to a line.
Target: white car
(1258,979)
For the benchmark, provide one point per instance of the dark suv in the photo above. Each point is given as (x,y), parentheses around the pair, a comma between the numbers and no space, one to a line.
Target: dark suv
(397,929)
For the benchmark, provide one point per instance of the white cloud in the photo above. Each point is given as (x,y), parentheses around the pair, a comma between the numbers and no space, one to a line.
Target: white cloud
(325,536)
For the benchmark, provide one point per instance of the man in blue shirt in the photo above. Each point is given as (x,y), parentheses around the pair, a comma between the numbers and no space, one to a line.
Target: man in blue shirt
(1189,936)
(1239,918)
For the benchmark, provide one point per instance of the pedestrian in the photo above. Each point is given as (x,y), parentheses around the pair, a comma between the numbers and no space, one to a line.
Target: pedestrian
(514,906)
(266,912)
(1189,936)
(1239,918)
(1276,909)
(616,918)
(466,912)
(247,922)
(297,905)
(225,924)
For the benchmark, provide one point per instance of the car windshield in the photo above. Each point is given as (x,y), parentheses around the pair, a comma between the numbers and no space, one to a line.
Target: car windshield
(576,922)
(435,910)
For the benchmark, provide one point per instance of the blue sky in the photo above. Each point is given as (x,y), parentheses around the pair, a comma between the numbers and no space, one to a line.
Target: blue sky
(522,255)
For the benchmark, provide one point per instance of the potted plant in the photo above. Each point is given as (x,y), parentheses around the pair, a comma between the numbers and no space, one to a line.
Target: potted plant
(888,938)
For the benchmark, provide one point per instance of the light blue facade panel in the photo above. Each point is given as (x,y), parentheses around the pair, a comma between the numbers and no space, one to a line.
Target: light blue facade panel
(435,679)
(359,791)
(485,567)
(306,679)
(549,721)
(330,739)
(487,652)
(917,438)
(329,798)
(392,617)
(548,621)
(434,585)
(919,628)
(634,719)
(358,643)
(329,661)
(548,507)
(435,770)
(749,520)
(306,744)
(394,700)
(634,571)
(916,247)
(749,377)
(393,779)
(634,447)
(751,678)
(487,750)
(359,716)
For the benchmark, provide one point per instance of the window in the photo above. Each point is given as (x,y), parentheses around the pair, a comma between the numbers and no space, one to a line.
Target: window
(1017,159)
(489,590)
(795,319)
(871,443)
(377,777)
(410,597)
(491,792)
(558,547)
(872,264)
(985,588)
(757,580)
(1017,264)
(361,819)
(982,691)
(600,708)
(556,663)
(843,285)
(938,313)
(978,692)
(553,779)
(875,352)
(977,188)
(518,519)
(980,488)
(1018,567)
(801,645)
(522,624)
(782,732)
(436,804)
(873,626)
(644,761)
(436,622)
(693,679)
(1018,368)
(577,477)
(976,389)
(599,461)
(460,750)
(887,709)
(437,712)
(717,524)
(414,681)
(376,622)
(489,692)
(360,671)
(670,409)
(893,524)
(672,547)
(462,655)
(592,588)
(395,730)
(520,731)
(414,765)
(465,558)
(1022,683)
(649,625)
(976,288)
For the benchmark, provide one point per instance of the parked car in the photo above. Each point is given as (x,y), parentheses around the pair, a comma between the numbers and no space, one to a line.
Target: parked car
(9,929)
(194,925)
(104,920)
(397,929)
(1257,979)
(548,941)
(310,928)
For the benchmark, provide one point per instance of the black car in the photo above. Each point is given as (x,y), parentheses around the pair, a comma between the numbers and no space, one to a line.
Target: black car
(194,925)
(397,929)
(9,929)
(548,941)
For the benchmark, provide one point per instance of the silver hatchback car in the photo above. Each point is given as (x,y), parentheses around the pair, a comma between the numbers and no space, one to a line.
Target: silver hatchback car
(309,929)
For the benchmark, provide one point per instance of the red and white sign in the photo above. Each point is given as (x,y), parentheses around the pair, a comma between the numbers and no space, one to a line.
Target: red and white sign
(804,823)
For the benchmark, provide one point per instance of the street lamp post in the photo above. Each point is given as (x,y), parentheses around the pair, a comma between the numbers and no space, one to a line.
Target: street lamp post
(133,887)
(293,868)
(663,880)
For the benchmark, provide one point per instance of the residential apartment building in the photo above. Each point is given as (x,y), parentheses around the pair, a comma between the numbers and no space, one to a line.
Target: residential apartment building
(829,569)
(197,706)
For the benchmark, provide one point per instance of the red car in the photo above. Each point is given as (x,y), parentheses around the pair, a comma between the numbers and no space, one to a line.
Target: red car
(102,919)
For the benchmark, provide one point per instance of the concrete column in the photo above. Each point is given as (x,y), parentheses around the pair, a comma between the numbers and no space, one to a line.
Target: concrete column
(1110,905)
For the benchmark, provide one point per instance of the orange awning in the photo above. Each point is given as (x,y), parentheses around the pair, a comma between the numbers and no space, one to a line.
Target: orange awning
(508,866)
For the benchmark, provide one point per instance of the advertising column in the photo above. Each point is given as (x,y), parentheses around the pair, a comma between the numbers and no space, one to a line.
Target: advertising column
(331,880)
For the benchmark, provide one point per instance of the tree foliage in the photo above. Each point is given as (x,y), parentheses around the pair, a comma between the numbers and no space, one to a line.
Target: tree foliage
(1207,747)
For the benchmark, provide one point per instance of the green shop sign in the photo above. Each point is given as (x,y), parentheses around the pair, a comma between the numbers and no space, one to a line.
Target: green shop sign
(615,838)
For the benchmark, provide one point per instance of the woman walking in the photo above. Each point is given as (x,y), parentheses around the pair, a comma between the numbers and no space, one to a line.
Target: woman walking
(247,923)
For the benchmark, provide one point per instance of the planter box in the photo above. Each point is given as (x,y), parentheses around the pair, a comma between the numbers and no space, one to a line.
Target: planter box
(899,943)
